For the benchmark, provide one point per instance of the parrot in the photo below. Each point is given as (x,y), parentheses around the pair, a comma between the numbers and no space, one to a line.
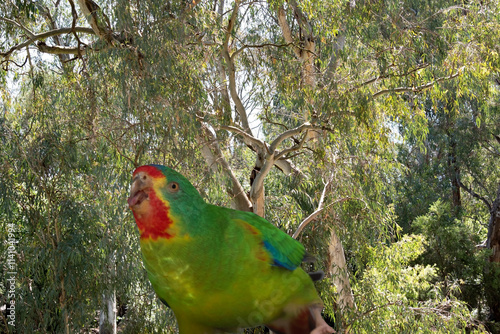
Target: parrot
(220,269)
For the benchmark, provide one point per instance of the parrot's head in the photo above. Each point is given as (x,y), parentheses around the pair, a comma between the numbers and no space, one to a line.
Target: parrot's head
(162,201)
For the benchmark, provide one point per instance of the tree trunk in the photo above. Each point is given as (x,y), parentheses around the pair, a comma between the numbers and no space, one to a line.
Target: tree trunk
(213,156)
(339,273)
(257,192)
(453,166)
(305,53)
(493,274)
(107,318)
(493,241)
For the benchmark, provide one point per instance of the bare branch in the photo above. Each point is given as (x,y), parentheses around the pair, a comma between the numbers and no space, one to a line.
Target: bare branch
(418,88)
(285,28)
(60,50)
(213,155)
(26,30)
(270,159)
(286,166)
(303,22)
(293,148)
(281,163)
(73,24)
(11,61)
(268,119)
(230,24)
(240,108)
(61,31)
(258,46)
(45,35)
(474,194)
(247,138)
(381,77)
(306,50)
(316,212)
(64,58)
(290,133)
(97,19)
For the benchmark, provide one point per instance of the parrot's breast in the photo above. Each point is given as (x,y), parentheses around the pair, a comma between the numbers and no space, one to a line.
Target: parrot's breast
(223,283)
(172,275)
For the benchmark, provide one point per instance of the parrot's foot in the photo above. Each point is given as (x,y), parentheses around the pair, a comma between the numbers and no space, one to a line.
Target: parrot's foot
(321,326)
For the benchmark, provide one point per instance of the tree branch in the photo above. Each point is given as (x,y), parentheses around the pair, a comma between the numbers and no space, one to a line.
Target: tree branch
(26,30)
(259,46)
(240,108)
(74,14)
(285,29)
(280,162)
(316,212)
(419,88)
(381,77)
(60,50)
(288,134)
(493,214)
(97,19)
(63,58)
(293,148)
(268,119)
(248,138)
(271,158)
(11,61)
(45,35)
(213,155)
(470,191)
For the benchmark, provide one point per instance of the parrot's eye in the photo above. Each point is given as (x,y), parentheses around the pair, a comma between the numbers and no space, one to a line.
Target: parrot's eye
(173,187)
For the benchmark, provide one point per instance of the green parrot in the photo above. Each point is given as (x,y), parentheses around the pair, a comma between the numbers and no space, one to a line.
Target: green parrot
(220,269)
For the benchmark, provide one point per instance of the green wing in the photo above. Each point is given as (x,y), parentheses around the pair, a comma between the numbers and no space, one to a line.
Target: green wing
(285,251)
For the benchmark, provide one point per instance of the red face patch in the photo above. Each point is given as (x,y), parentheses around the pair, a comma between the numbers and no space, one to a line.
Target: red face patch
(152,217)
(150,170)
(156,223)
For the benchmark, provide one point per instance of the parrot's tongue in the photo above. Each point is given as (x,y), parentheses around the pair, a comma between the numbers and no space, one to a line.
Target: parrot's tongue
(137,198)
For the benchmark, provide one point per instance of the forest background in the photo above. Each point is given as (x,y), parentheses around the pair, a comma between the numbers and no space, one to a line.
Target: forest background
(369,130)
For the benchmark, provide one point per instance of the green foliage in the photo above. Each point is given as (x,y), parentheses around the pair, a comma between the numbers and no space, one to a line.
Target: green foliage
(451,247)
(397,297)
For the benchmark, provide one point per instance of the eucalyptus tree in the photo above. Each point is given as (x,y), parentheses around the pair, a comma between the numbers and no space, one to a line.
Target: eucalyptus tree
(311,88)
(458,162)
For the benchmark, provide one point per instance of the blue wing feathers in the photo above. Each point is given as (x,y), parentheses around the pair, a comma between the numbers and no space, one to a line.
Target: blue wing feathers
(280,260)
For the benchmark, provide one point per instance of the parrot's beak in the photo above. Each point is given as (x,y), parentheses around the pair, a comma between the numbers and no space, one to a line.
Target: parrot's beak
(141,185)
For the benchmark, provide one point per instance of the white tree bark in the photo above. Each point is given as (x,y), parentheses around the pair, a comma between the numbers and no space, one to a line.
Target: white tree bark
(213,156)
(304,48)
(107,317)
(339,272)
